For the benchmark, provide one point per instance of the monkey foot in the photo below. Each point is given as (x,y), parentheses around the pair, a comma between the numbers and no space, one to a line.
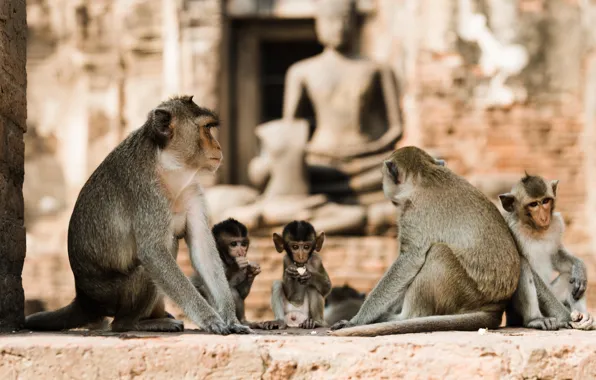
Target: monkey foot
(236,328)
(342,325)
(272,325)
(550,324)
(309,324)
(582,321)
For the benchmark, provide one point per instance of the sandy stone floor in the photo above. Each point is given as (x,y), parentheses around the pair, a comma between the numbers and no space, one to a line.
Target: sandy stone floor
(500,354)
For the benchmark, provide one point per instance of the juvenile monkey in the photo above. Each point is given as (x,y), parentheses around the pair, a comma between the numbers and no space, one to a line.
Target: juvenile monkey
(299,299)
(343,302)
(124,231)
(538,230)
(233,242)
(458,264)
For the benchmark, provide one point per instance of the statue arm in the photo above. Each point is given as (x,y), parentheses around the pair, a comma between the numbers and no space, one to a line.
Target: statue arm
(293,92)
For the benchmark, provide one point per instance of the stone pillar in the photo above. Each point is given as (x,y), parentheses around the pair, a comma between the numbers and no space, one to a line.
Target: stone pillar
(13,113)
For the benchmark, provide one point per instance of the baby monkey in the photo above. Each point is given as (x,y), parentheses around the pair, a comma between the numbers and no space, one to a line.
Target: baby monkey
(232,242)
(299,299)
(529,211)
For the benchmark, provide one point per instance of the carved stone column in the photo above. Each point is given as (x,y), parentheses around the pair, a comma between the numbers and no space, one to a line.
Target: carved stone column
(13,113)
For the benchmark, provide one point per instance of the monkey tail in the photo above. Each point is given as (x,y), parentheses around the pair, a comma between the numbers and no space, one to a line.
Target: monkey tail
(69,317)
(458,322)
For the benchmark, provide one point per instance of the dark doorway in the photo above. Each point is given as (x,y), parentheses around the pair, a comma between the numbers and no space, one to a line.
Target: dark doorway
(276,58)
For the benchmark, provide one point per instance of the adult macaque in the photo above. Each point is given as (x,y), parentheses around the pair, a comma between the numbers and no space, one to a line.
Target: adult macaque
(124,231)
(458,264)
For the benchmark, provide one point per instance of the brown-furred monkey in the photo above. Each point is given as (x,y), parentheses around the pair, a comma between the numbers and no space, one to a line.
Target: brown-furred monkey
(233,242)
(124,231)
(298,300)
(538,230)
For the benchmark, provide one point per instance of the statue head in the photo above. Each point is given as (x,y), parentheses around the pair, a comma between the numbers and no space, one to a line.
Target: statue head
(334,21)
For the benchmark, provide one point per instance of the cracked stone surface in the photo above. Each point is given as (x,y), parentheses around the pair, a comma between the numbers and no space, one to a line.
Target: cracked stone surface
(502,354)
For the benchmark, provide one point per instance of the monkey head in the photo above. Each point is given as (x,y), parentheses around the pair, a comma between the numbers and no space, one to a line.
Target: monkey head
(532,200)
(183,132)
(232,240)
(406,168)
(299,240)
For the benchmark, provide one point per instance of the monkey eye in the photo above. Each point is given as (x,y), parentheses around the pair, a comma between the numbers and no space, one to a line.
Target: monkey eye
(244,244)
(533,204)
(307,247)
(546,201)
(233,244)
(294,247)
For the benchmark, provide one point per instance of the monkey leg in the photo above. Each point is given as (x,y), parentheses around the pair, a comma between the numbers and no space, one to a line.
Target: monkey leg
(278,300)
(142,307)
(442,297)
(524,308)
(562,289)
(316,308)
(239,302)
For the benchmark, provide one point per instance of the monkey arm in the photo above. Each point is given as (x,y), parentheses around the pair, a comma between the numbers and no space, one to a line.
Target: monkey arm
(319,277)
(525,301)
(565,262)
(244,287)
(206,261)
(391,289)
(278,299)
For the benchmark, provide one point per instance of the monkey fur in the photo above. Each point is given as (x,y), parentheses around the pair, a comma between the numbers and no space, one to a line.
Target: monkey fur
(529,210)
(343,302)
(233,242)
(458,264)
(124,231)
(298,300)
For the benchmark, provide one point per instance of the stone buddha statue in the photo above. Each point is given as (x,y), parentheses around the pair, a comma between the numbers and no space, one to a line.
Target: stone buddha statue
(333,178)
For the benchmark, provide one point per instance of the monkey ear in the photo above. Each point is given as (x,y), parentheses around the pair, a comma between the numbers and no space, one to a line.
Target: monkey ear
(440,162)
(279,242)
(319,242)
(507,201)
(161,126)
(392,170)
(553,185)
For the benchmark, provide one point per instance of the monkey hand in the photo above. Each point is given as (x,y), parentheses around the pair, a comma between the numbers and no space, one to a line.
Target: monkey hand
(582,321)
(579,281)
(342,325)
(273,325)
(292,272)
(242,262)
(303,278)
(215,326)
(550,324)
(253,270)
(309,324)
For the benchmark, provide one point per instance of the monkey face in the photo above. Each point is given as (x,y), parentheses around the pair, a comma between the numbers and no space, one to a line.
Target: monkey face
(238,247)
(184,131)
(301,250)
(540,211)
(396,187)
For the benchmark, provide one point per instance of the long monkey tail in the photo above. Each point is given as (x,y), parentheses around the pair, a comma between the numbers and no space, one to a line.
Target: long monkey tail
(457,322)
(69,317)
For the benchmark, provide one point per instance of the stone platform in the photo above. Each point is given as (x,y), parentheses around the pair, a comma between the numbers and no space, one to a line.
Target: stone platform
(501,354)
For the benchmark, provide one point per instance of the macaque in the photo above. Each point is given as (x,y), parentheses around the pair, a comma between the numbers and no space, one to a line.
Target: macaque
(233,242)
(342,303)
(298,300)
(538,230)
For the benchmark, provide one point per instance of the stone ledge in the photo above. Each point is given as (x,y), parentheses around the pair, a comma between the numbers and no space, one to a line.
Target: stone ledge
(505,354)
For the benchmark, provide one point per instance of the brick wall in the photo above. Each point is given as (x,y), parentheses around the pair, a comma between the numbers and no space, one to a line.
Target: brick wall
(13,113)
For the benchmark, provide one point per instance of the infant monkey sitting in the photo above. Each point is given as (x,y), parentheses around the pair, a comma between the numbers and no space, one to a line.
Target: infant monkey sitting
(232,241)
(299,299)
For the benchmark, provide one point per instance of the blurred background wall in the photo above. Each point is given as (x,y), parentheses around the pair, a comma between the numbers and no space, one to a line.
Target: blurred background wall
(495,87)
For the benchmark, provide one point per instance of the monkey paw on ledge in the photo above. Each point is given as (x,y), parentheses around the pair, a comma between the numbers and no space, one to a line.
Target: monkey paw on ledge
(505,353)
